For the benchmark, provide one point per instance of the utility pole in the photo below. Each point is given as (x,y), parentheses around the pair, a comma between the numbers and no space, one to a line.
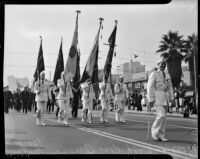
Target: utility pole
(50,75)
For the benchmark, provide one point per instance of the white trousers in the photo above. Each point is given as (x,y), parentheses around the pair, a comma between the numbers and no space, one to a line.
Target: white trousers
(87,104)
(41,107)
(158,127)
(64,109)
(120,110)
(105,108)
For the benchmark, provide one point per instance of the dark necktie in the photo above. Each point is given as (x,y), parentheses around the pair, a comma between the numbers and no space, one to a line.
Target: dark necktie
(163,74)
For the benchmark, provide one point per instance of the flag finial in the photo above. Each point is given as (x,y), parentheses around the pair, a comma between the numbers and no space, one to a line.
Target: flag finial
(40,38)
(116,22)
(101,26)
(61,38)
(78,12)
(101,19)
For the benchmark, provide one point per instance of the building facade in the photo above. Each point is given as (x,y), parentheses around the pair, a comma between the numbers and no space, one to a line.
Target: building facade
(15,83)
(138,81)
(129,68)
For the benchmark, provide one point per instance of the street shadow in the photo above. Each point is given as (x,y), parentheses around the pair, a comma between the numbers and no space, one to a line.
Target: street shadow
(103,124)
(17,140)
(18,147)
(134,128)
(55,125)
(181,130)
(12,147)
(18,113)
(15,131)
(183,141)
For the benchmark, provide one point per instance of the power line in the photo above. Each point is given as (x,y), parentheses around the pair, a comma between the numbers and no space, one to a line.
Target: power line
(17,65)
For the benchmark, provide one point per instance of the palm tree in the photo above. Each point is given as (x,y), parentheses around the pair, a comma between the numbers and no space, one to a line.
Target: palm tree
(171,48)
(191,44)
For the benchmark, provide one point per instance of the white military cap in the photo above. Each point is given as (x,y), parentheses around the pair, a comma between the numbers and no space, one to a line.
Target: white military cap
(121,76)
(68,76)
(62,73)
(42,73)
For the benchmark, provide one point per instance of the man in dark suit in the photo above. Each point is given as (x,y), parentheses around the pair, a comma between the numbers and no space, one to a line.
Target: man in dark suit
(8,98)
(25,99)
(18,100)
(75,101)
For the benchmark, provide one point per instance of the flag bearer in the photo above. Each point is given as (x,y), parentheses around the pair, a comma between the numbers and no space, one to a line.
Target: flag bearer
(121,98)
(159,94)
(64,95)
(87,99)
(41,88)
(105,97)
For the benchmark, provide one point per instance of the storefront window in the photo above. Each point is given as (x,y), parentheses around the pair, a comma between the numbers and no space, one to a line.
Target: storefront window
(137,85)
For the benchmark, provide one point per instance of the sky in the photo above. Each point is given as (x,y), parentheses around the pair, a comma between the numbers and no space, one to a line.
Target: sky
(140,30)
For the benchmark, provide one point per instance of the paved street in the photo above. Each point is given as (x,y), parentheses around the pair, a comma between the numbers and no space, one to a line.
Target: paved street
(22,135)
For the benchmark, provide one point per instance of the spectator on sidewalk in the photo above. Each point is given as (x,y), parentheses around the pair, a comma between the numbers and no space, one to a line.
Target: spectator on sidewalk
(181,99)
(144,102)
(176,100)
(138,101)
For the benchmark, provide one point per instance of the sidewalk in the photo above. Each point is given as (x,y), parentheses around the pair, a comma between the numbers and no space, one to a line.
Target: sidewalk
(174,114)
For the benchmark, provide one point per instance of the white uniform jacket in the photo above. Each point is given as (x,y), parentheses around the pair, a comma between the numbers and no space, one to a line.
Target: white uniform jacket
(159,89)
(121,92)
(106,91)
(42,91)
(88,92)
(62,93)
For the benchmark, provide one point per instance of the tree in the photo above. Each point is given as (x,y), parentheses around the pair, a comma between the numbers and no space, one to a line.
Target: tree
(191,44)
(171,48)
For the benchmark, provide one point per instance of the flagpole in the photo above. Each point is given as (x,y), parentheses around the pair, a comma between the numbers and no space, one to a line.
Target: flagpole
(149,110)
(38,68)
(77,13)
(101,19)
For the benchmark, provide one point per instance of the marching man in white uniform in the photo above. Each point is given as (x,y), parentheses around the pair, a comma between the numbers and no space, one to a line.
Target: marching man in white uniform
(64,95)
(42,90)
(87,98)
(105,97)
(159,94)
(121,97)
